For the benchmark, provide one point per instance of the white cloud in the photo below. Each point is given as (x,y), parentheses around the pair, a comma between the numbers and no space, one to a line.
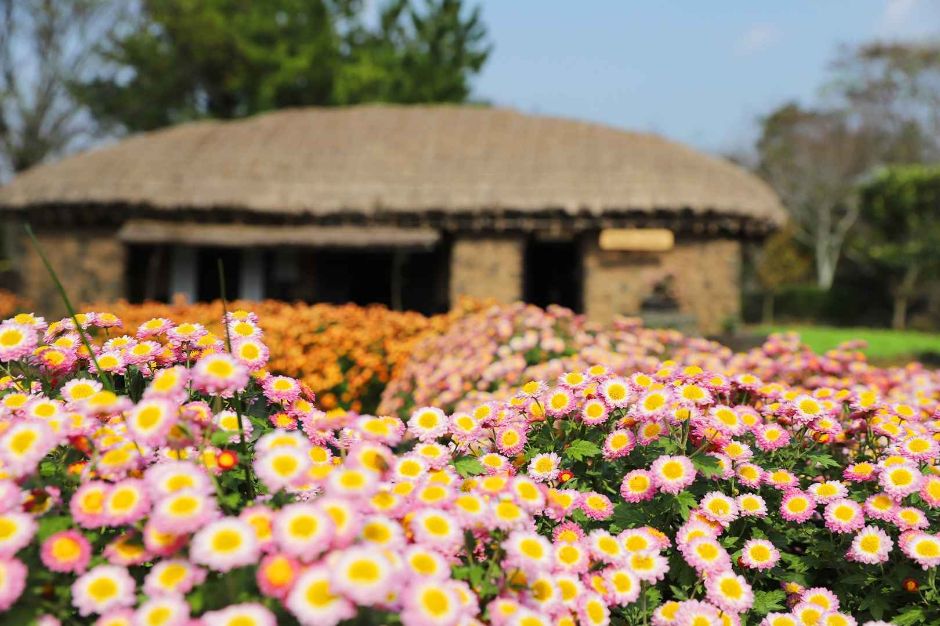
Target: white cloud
(756,39)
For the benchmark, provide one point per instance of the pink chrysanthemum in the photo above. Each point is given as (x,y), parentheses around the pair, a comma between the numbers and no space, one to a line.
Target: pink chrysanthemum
(673,473)
(616,392)
(705,554)
(719,508)
(245,614)
(797,506)
(225,544)
(153,327)
(544,467)
(427,423)
(103,588)
(16,531)
(880,506)
(781,479)
(127,502)
(619,443)
(184,511)
(16,341)
(900,480)
(923,548)
(558,401)
(282,389)
(276,575)
(303,530)
(860,472)
(315,600)
(87,504)
(168,610)
(511,439)
(870,545)
(638,486)
(66,551)
(151,420)
(568,532)
(281,467)
(759,554)
(12,582)
(596,506)
(828,491)
(729,592)
(429,603)
(23,445)
(623,585)
(844,516)
(696,613)
(594,412)
(930,491)
(251,352)
(363,575)
(910,518)
(220,374)
(172,577)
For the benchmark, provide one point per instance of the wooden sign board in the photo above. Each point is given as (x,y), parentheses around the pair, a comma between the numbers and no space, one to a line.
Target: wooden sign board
(637,239)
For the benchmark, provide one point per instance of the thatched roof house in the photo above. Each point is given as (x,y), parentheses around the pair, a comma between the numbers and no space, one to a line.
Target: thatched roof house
(393,204)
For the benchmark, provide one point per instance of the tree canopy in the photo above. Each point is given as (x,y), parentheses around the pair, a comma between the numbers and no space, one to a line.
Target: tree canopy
(179,60)
(900,229)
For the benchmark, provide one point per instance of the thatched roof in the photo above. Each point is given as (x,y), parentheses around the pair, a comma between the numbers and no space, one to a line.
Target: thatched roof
(384,159)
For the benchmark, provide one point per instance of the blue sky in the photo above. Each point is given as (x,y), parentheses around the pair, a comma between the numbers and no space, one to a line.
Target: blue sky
(698,71)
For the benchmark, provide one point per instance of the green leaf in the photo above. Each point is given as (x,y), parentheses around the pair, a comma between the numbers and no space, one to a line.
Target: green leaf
(627,516)
(767,601)
(686,502)
(222,438)
(913,615)
(823,460)
(468,466)
(581,449)
(707,466)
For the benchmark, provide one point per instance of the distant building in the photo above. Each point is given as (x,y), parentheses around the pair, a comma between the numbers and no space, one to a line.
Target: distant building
(409,206)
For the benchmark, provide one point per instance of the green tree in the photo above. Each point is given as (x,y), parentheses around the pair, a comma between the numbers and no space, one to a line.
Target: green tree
(179,60)
(781,263)
(899,230)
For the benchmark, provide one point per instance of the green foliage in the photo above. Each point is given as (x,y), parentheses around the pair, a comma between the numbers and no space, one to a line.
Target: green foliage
(580,449)
(901,216)
(767,601)
(900,229)
(468,466)
(183,59)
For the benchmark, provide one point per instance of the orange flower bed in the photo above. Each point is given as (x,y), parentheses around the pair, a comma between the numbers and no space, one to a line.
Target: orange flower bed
(345,353)
(10,304)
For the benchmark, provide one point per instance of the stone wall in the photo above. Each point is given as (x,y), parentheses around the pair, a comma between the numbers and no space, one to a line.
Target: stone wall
(90,264)
(486,267)
(705,277)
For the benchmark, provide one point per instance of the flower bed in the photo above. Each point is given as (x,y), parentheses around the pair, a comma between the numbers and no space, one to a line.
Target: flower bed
(168,479)
(346,353)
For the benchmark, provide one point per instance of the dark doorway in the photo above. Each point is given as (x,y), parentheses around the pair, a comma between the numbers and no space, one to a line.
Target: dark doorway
(410,280)
(553,273)
(208,287)
(148,273)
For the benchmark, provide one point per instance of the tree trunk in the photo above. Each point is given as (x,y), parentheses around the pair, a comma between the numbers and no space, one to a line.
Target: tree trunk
(767,309)
(899,318)
(902,296)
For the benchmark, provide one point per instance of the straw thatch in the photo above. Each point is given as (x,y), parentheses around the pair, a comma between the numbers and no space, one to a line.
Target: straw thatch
(397,160)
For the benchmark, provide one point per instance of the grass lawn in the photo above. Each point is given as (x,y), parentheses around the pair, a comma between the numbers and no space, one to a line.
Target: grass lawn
(883,344)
